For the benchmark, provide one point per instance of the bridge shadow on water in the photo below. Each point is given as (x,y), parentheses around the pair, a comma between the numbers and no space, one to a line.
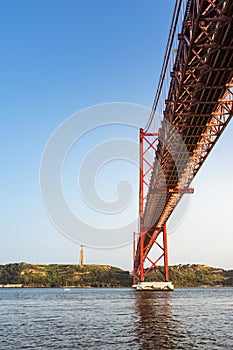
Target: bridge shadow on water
(155,325)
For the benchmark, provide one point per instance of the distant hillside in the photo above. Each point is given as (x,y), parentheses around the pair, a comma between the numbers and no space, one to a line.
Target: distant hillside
(55,275)
(195,276)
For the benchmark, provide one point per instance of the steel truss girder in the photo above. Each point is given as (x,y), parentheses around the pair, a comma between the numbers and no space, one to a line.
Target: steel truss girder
(220,118)
(191,92)
(214,128)
(199,105)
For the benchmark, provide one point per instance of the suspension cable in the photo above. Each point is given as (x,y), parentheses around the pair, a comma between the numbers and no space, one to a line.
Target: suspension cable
(171,36)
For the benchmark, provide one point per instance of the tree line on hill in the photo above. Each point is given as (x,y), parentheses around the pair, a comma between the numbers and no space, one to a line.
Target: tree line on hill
(55,275)
(195,275)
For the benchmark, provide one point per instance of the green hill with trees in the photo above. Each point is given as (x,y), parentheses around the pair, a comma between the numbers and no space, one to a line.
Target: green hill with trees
(195,276)
(56,275)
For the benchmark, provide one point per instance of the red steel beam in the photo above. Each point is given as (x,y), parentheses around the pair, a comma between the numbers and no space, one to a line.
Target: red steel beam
(139,248)
(198,107)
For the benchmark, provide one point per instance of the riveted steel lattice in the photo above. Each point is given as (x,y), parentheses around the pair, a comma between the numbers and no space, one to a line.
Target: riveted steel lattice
(198,107)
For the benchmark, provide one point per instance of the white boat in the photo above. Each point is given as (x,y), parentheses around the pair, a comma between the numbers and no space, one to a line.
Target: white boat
(66,288)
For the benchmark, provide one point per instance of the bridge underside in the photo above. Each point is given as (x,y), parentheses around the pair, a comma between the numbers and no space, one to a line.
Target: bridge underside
(198,107)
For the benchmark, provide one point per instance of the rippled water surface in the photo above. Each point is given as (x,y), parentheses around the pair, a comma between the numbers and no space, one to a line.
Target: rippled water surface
(116,319)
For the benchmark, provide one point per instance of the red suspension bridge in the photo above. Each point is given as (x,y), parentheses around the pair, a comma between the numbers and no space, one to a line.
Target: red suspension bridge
(195,98)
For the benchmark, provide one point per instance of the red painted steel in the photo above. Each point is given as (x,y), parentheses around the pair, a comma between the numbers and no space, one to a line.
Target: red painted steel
(165,253)
(141,202)
(197,108)
(140,271)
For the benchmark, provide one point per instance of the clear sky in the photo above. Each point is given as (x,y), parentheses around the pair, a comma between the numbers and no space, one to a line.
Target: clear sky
(60,57)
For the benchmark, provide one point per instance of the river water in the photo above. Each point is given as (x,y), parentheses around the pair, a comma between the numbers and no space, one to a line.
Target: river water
(188,318)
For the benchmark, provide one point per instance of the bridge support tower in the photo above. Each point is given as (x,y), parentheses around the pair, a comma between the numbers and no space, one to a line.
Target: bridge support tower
(143,241)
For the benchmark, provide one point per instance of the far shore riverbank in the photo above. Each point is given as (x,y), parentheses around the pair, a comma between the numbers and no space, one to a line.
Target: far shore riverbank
(24,275)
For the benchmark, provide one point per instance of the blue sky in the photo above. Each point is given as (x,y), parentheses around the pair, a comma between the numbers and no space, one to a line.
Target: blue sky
(61,57)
